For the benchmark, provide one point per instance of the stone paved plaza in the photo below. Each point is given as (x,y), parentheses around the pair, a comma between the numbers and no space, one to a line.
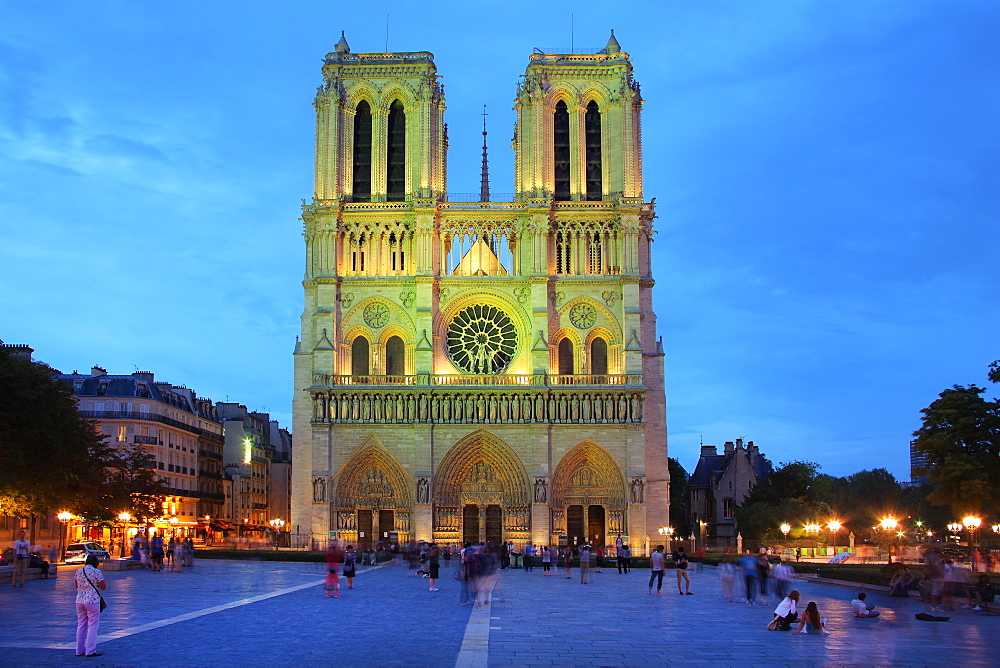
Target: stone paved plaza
(227,613)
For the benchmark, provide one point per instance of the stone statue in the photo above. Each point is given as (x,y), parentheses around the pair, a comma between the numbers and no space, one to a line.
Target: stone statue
(423,491)
(319,490)
(540,490)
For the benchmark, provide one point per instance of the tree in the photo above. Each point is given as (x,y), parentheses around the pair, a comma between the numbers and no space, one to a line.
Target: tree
(133,485)
(960,437)
(680,518)
(795,492)
(50,457)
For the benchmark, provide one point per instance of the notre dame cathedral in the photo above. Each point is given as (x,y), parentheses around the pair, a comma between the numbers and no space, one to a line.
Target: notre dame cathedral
(482,370)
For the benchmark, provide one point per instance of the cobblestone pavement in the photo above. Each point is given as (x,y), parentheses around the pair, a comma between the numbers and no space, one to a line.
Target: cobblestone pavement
(228,613)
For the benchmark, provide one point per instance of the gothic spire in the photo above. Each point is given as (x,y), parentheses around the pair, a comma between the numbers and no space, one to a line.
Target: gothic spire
(612,47)
(342,46)
(484,187)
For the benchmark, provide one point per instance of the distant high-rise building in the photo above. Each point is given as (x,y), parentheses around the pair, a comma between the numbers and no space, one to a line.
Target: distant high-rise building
(918,461)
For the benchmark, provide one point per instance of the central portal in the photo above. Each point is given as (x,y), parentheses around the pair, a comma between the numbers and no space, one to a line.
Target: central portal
(470,524)
(494,525)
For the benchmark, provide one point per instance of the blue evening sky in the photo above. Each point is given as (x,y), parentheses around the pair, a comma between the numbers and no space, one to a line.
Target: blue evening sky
(826,179)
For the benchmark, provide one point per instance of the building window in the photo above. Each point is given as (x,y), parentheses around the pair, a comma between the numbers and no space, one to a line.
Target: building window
(564,253)
(727,508)
(394,357)
(592,126)
(396,153)
(560,151)
(122,437)
(566,357)
(359,356)
(599,357)
(362,188)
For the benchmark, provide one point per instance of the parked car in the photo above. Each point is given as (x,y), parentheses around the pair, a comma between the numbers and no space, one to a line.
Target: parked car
(77,552)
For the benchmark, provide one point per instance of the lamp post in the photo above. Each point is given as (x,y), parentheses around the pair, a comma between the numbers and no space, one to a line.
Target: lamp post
(954,528)
(668,534)
(124,518)
(972,524)
(889,524)
(64,517)
(173,525)
(785,528)
(277,525)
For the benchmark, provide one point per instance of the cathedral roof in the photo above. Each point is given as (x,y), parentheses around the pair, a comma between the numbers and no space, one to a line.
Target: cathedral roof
(612,47)
(343,47)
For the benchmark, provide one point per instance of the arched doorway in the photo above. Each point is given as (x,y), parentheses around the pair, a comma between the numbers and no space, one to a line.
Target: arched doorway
(372,500)
(588,488)
(481,493)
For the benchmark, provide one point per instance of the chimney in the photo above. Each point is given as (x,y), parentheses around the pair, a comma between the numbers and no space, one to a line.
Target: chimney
(708,451)
(144,375)
(96,371)
(752,449)
(739,444)
(728,447)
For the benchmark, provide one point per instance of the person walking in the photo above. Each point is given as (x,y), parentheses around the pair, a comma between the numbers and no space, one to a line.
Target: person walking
(598,558)
(568,562)
(528,557)
(656,570)
(628,559)
(681,560)
(749,564)
(350,562)
(22,548)
(433,565)
(88,580)
(546,561)
(156,552)
(584,564)
(621,557)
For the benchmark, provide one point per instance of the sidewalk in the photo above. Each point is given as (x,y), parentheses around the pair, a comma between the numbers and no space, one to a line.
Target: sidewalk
(228,613)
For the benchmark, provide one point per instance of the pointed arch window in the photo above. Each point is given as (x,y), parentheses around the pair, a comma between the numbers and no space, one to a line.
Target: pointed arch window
(592,131)
(599,357)
(395,357)
(362,186)
(359,356)
(560,151)
(396,154)
(565,357)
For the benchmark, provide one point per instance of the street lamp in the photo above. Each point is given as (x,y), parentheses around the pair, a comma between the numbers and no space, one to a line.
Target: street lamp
(63,517)
(668,532)
(954,528)
(124,518)
(889,524)
(834,527)
(785,528)
(972,524)
(277,525)
(173,525)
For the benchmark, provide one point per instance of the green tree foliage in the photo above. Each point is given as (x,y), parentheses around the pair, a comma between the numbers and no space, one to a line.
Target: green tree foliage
(133,484)
(960,436)
(795,492)
(870,497)
(50,458)
(680,518)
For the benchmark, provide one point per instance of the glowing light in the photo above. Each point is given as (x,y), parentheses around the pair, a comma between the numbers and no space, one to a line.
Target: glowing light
(124,517)
(785,528)
(996,528)
(247,450)
(889,523)
(665,531)
(833,525)
(954,527)
(812,528)
(64,516)
(971,522)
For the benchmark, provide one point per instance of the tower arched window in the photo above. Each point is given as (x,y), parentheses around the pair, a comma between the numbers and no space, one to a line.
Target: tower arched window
(395,357)
(560,151)
(396,153)
(592,136)
(359,357)
(565,357)
(362,186)
(599,357)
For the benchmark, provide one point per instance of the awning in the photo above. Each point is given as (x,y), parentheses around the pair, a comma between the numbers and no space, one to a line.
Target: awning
(220,526)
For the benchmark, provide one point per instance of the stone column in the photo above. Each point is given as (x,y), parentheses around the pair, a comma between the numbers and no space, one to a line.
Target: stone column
(540,534)
(422,522)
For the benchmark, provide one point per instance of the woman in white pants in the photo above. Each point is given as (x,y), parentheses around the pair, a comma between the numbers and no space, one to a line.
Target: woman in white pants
(88,580)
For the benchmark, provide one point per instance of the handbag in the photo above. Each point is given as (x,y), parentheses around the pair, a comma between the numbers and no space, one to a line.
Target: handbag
(103,604)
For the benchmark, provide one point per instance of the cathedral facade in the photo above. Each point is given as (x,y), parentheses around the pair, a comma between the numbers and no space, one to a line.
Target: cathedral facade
(478,371)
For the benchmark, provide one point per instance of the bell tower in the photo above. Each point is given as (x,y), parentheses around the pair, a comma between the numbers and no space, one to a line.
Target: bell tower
(578,135)
(380,134)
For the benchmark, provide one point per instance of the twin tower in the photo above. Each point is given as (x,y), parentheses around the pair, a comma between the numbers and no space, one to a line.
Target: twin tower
(475,370)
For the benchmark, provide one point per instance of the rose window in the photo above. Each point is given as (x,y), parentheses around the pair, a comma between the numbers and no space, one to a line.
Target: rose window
(482,340)
(377,314)
(583,316)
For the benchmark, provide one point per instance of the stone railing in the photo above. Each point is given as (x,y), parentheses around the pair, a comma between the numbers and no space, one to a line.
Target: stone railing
(496,406)
(321,380)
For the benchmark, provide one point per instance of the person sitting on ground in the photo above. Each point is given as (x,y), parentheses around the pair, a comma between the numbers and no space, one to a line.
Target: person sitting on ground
(982,591)
(902,581)
(812,622)
(861,609)
(785,614)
